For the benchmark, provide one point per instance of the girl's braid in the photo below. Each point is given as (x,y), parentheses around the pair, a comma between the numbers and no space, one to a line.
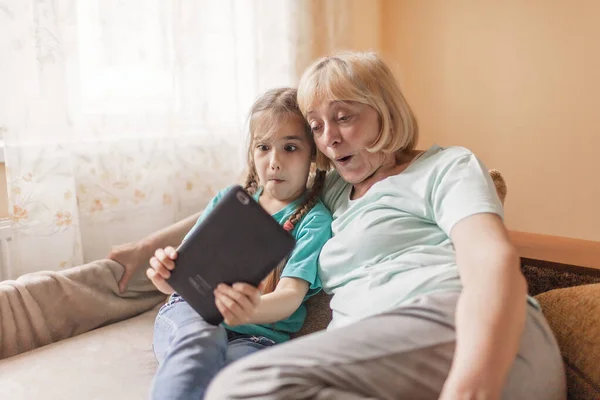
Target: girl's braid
(251,184)
(273,278)
(310,201)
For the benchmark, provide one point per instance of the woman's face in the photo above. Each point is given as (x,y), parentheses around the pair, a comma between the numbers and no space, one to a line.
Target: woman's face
(343,131)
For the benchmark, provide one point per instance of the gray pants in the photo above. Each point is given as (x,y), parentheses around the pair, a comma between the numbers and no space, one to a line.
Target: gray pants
(403,354)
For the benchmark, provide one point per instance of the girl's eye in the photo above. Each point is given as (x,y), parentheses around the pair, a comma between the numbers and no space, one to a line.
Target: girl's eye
(263,147)
(290,148)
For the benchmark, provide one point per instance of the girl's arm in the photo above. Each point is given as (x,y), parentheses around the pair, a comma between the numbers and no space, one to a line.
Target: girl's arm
(243,304)
(491,310)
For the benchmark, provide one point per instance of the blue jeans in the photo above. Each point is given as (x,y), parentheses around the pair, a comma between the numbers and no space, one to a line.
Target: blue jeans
(190,351)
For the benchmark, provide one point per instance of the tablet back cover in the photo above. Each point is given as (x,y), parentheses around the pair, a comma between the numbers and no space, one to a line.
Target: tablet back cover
(237,242)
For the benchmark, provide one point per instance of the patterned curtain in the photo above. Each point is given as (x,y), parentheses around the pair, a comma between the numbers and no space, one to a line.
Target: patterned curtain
(122,117)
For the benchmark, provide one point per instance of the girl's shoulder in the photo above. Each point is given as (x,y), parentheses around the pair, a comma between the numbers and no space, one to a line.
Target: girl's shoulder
(221,193)
(320,211)
(316,218)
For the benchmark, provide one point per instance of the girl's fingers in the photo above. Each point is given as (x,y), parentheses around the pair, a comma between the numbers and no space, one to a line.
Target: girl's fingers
(154,277)
(235,310)
(164,259)
(261,288)
(252,293)
(225,312)
(159,268)
(171,252)
(158,281)
(244,304)
(151,274)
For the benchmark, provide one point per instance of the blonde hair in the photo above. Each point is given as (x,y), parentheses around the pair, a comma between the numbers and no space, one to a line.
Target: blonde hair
(366,79)
(267,113)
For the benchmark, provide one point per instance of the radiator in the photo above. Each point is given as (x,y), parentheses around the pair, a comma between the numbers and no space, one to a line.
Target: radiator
(5,237)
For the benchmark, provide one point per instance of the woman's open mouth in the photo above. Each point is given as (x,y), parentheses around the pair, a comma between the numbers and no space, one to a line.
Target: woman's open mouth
(343,160)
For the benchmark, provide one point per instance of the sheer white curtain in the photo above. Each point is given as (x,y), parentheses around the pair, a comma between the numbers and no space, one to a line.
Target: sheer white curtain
(121,117)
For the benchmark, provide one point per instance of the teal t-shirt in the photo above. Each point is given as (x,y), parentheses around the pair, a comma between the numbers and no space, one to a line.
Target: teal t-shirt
(311,233)
(393,244)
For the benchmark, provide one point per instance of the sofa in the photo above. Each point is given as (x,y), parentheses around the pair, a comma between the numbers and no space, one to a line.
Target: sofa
(72,334)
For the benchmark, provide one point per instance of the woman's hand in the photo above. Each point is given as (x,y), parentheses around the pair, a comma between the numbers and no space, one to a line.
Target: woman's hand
(237,303)
(463,388)
(129,256)
(160,269)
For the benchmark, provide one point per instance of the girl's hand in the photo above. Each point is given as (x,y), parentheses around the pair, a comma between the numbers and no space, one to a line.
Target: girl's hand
(160,269)
(237,303)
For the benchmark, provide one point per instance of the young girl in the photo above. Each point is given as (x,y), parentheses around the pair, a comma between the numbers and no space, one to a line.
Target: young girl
(189,350)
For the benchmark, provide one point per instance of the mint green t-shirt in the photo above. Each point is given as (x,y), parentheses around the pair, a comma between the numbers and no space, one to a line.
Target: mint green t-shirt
(393,244)
(311,233)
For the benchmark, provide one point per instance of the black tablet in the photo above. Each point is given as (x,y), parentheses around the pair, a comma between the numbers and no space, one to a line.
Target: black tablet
(237,242)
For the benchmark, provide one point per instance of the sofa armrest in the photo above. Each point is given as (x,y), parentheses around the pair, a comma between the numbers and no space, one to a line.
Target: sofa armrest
(48,306)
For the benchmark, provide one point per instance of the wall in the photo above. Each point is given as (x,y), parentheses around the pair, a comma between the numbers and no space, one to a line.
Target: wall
(333,25)
(518,83)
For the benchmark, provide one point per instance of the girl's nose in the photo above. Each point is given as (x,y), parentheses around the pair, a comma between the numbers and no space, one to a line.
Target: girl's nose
(275,163)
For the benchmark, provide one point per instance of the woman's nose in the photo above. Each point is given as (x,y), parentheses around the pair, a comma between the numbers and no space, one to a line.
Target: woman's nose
(331,135)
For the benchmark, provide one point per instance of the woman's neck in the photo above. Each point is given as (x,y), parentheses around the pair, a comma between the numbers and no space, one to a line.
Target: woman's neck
(394,164)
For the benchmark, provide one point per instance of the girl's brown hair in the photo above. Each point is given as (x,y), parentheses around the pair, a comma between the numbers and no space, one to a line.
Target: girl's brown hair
(269,111)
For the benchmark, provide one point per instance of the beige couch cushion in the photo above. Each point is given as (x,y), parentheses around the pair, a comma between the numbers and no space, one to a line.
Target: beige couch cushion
(113,362)
(46,307)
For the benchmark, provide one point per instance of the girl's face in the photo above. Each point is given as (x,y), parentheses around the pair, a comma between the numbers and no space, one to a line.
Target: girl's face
(283,160)
(343,132)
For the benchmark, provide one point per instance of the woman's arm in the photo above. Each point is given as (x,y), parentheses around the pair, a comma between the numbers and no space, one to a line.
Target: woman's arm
(242,303)
(491,310)
(132,255)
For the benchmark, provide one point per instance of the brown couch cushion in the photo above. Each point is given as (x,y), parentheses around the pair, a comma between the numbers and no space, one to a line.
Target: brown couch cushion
(574,316)
(543,276)
(318,314)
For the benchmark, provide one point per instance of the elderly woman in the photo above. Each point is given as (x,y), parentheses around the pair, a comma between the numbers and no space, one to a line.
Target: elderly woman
(428,298)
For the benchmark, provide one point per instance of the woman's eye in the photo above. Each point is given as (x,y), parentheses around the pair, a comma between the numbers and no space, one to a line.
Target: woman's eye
(315,128)
(344,118)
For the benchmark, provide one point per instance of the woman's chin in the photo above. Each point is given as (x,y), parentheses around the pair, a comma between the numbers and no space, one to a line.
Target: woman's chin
(352,177)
